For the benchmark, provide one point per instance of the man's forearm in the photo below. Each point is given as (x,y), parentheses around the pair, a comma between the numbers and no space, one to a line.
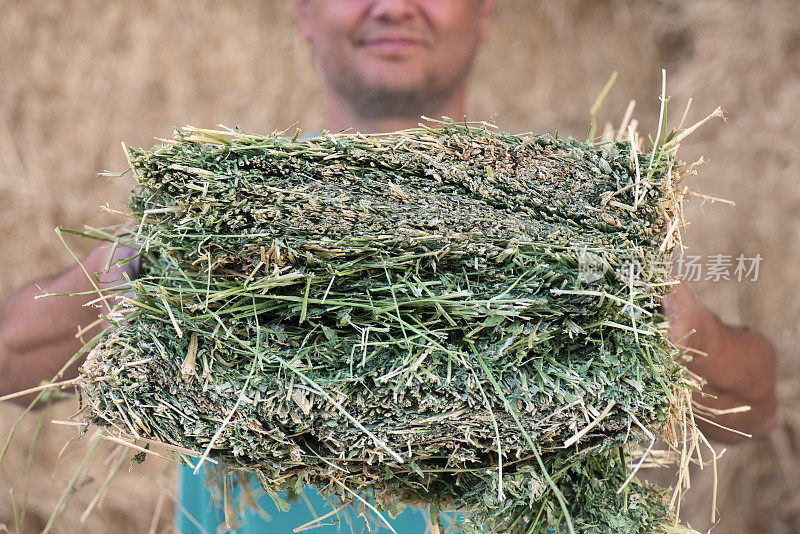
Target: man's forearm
(739,366)
(758,421)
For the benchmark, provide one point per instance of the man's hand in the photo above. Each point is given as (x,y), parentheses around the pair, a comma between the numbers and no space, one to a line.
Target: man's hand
(37,336)
(738,365)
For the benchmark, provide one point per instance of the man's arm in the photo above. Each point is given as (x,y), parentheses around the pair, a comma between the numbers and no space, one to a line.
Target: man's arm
(739,367)
(37,336)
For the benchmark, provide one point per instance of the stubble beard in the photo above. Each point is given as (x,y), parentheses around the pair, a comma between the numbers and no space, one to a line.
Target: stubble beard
(370,101)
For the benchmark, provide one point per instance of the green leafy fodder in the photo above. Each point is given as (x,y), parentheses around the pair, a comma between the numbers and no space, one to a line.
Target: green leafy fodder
(429,316)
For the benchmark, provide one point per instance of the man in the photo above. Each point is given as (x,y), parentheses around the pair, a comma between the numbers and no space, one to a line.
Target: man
(385,63)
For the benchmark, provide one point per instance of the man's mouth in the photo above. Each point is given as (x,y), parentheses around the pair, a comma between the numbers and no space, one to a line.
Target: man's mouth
(393,45)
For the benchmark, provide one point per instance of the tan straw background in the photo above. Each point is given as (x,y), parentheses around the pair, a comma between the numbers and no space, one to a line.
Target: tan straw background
(76,78)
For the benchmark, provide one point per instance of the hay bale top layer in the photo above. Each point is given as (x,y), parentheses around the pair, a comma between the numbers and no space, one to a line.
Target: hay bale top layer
(458,184)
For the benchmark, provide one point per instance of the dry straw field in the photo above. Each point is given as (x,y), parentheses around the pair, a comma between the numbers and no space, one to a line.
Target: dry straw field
(76,78)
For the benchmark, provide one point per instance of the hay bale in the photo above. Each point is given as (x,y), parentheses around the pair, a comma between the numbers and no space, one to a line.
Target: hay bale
(445,315)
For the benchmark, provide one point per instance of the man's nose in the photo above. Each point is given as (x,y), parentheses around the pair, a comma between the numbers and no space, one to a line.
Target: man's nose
(393,9)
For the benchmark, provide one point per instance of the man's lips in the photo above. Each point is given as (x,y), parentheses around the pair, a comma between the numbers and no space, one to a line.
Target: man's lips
(391,45)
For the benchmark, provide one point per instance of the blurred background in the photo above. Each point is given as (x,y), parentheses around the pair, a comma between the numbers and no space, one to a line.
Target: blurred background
(76,78)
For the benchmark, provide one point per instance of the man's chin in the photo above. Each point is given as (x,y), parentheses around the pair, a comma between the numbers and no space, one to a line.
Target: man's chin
(395,79)
(392,100)
(392,89)
(396,89)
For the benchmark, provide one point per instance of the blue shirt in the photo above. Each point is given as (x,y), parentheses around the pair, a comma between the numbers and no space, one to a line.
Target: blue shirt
(198,514)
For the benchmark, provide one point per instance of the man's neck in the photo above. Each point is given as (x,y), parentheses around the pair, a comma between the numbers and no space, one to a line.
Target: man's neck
(341,116)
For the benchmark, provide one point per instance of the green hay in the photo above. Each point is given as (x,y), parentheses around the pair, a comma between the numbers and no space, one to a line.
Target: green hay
(407,315)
